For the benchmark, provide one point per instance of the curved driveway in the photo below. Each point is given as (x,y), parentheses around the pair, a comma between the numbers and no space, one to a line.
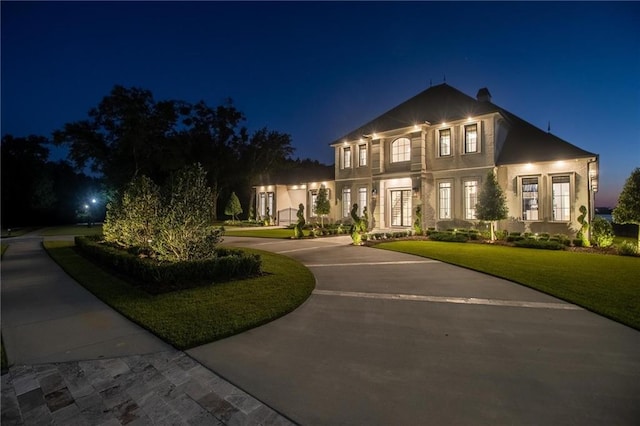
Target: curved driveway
(389,338)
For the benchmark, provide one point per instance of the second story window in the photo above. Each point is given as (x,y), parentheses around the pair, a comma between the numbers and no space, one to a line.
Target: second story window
(346,157)
(400,150)
(362,155)
(444,142)
(471,138)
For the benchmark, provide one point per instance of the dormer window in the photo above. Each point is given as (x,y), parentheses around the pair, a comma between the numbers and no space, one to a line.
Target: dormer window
(400,150)
(444,137)
(471,138)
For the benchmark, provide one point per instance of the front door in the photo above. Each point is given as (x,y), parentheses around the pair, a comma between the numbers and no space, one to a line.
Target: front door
(401,207)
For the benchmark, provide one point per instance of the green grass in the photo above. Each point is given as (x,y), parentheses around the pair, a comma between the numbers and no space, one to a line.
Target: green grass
(4,248)
(72,230)
(201,315)
(260,233)
(18,232)
(606,284)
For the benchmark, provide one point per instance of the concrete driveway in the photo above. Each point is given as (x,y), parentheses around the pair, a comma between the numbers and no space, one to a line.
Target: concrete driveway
(389,338)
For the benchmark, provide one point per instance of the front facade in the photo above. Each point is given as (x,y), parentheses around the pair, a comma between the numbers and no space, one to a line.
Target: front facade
(434,152)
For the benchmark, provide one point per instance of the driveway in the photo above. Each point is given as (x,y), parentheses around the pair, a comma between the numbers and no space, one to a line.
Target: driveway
(389,338)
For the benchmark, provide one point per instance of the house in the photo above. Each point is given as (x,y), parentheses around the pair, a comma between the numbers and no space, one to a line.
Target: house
(435,150)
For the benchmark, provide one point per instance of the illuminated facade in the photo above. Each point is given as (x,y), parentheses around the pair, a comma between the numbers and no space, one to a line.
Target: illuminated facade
(435,150)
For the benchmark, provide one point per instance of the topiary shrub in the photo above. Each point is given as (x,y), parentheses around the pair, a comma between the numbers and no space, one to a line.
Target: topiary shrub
(584,227)
(297,231)
(448,237)
(358,227)
(602,232)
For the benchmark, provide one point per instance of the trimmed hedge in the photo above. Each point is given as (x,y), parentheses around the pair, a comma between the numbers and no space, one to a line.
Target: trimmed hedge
(448,236)
(162,277)
(538,244)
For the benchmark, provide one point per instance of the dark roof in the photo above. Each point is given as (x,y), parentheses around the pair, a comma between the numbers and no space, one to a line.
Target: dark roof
(435,105)
(443,103)
(527,143)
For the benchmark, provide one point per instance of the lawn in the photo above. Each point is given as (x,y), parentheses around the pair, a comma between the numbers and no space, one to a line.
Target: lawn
(196,316)
(83,230)
(606,284)
(260,233)
(18,232)
(4,248)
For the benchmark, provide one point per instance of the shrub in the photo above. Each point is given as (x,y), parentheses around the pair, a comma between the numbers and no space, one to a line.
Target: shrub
(602,232)
(577,242)
(447,236)
(539,244)
(628,249)
(157,277)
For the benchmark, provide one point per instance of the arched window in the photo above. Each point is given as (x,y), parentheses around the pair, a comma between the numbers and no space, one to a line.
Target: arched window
(400,150)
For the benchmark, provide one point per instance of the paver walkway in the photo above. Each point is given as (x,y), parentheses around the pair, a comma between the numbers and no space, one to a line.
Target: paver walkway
(76,361)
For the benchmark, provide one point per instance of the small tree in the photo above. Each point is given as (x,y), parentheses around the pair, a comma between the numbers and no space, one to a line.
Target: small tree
(491,203)
(628,208)
(322,206)
(233,207)
(602,232)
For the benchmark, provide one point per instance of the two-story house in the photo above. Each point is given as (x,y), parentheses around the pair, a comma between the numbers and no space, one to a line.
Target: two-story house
(435,150)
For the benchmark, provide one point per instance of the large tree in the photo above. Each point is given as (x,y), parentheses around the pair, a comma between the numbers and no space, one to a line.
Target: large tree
(128,134)
(261,155)
(491,204)
(628,208)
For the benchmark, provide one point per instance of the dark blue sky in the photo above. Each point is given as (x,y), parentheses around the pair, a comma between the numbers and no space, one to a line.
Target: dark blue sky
(319,70)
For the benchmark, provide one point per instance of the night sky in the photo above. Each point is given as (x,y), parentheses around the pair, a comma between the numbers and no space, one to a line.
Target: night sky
(319,70)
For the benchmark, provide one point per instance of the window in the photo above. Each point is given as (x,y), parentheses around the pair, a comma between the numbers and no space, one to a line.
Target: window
(530,198)
(560,191)
(270,203)
(362,155)
(445,142)
(400,150)
(362,199)
(471,138)
(346,202)
(314,197)
(346,157)
(401,208)
(262,204)
(445,200)
(470,198)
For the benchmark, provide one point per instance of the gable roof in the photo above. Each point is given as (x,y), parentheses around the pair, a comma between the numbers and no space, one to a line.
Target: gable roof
(442,103)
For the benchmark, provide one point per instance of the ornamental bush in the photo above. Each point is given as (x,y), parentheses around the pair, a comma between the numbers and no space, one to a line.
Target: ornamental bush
(539,244)
(602,232)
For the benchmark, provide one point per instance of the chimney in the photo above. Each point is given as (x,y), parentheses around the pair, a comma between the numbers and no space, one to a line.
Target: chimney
(483,95)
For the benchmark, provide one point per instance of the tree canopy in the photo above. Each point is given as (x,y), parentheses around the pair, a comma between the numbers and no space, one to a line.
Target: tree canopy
(130,133)
(628,208)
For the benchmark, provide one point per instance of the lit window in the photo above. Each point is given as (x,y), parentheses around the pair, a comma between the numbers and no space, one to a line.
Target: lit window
(346,202)
(471,138)
(401,208)
(362,199)
(445,200)
(530,198)
(560,190)
(470,198)
(270,204)
(400,150)
(262,204)
(346,158)
(314,197)
(445,142)
(362,155)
